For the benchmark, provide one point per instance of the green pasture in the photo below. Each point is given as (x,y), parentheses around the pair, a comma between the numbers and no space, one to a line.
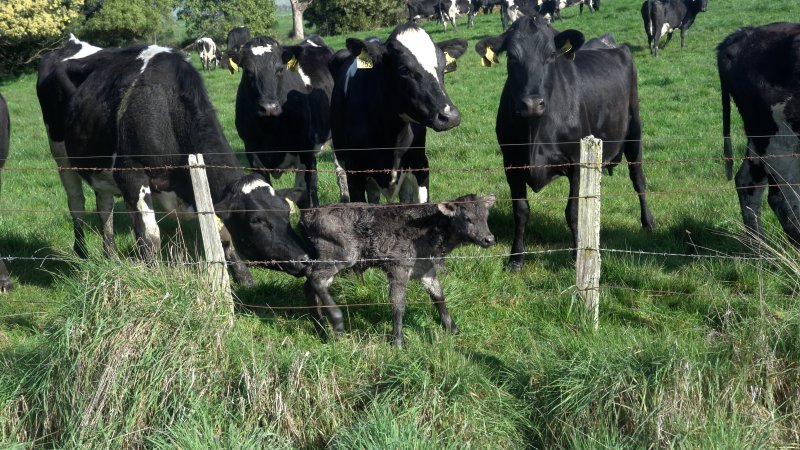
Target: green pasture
(691,352)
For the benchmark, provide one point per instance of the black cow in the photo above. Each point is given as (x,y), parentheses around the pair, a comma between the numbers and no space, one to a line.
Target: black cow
(133,116)
(406,242)
(5,131)
(549,102)
(283,107)
(760,68)
(237,37)
(384,97)
(665,16)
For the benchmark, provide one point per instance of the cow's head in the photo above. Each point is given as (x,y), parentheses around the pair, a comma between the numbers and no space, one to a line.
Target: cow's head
(257,217)
(533,49)
(413,67)
(469,217)
(263,66)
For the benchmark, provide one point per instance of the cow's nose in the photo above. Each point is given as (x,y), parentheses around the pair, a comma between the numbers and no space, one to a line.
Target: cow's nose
(447,118)
(269,109)
(488,241)
(532,106)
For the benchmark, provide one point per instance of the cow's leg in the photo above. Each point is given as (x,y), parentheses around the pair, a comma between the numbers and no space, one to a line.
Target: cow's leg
(105,209)
(571,212)
(398,281)
(77,208)
(751,180)
(519,202)
(471,19)
(784,202)
(356,183)
(341,180)
(5,279)
(318,285)
(431,284)
(669,38)
(238,268)
(312,180)
(683,37)
(633,153)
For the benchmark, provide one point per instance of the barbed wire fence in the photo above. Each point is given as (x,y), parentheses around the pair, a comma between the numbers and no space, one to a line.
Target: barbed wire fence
(582,288)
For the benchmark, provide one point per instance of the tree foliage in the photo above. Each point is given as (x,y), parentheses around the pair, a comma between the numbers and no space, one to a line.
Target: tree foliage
(119,22)
(214,18)
(342,16)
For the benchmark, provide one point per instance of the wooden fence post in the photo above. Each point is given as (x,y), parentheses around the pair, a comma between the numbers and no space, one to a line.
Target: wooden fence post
(215,255)
(588,251)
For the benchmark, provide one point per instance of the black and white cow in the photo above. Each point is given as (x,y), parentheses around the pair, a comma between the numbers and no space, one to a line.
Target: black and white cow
(132,117)
(514,9)
(487,6)
(549,102)
(665,16)
(209,55)
(405,241)
(283,107)
(760,68)
(236,39)
(5,132)
(444,10)
(384,97)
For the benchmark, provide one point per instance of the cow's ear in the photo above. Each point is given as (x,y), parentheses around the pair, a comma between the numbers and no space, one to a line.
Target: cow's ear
(367,54)
(453,49)
(292,195)
(488,48)
(447,208)
(223,208)
(488,200)
(234,59)
(568,42)
(291,57)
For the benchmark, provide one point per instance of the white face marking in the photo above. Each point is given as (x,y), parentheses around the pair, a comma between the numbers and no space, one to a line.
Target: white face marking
(421,46)
(255,184)
(148,54)
(261,49)
(351,72)
(148,215)
(86,49)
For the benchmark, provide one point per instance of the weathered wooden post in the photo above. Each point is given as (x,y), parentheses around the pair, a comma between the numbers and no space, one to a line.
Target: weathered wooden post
(588,251)
(212,245)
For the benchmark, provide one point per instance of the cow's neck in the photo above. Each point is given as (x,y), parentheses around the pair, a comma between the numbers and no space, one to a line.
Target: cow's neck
(222,166)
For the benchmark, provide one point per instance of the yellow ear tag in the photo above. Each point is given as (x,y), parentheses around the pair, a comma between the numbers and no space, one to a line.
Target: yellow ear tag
(234,66)
(293,64)
(364,61)
(488,58)
(220,225)
(448,59)
(566,47)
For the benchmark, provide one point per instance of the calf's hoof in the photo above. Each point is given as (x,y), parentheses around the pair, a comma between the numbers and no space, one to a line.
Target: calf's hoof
(397,341)
(5,285)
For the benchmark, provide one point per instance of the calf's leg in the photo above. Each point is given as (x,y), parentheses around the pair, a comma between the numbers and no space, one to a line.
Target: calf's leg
(398,280)
(431,284)
(318,286)
(5,280)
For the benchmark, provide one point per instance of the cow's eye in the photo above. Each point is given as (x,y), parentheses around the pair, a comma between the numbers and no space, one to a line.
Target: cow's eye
(403,71)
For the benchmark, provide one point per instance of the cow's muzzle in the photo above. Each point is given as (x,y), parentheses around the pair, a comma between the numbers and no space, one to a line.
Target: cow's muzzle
(531,106)
(446,119)
(486,241)
(269,109)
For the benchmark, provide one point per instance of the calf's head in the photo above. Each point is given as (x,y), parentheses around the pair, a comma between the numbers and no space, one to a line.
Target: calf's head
(413,68)
(469,218)
(533,50)
(257,218)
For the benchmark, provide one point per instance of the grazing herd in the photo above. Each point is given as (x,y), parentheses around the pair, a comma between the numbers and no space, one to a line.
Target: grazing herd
(124,120)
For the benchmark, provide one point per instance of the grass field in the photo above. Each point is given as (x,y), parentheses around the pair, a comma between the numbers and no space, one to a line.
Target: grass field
(691,352)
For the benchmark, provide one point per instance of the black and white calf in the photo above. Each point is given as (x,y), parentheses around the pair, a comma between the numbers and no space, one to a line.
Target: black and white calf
(406,242)
(236,39)
(5,132)
(385,96)
(665,16)
(283,107)
(131,118)
(760,68)
(554,96)
(209,55)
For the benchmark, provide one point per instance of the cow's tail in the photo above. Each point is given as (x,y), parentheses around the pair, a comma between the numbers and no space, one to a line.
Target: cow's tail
(727,151)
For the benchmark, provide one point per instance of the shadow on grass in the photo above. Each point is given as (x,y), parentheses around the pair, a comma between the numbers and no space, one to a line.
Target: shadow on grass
(48,265)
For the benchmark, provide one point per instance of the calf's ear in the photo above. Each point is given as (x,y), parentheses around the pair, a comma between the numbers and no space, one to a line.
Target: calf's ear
(447,208)
(488,48)
(367,54)
(453,49)
(488,200)
(568,42)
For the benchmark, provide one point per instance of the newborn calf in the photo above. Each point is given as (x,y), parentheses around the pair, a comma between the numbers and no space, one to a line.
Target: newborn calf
(405,241)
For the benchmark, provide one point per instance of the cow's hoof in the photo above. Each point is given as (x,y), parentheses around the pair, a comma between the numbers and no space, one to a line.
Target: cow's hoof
(454,330)
(397,342)
(514,265)
(5,285)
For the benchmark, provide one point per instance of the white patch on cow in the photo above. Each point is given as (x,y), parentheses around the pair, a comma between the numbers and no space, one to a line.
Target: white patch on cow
(665,29)
(261,49)
(351,72)
(421,46)
(422,194)
(562,4)
(311,43)
(148,54)
(786,142)
(303,76)
(86,49)
(255,184)
(430,283)
(148,216)
(453,10)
